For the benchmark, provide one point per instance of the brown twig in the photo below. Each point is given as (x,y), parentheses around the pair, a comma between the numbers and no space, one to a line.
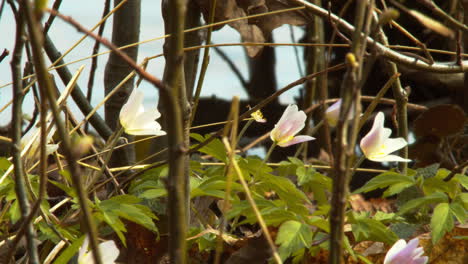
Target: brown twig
(4,54)
(19,175)
(45,83)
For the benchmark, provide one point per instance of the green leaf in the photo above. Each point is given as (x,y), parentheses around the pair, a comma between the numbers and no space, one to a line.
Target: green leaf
(463,198)
(153,194)
(211,186)
(293,236)
(441,222)
(387,179)
(436,197)
(458,211)
(286,190)
(396,188)
(215,148)
(462,179)
(70,251)
(370,229)
(312,181)
(127,207)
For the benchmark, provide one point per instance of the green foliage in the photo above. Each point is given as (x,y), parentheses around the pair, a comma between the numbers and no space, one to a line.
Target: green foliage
(436,197)
(126,207)
(441,222)
(215,148)
(394,181)
(365,228)
(292,237)
(211,186)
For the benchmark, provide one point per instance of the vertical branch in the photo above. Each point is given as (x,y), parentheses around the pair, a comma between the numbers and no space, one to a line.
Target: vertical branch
(45,83)
(192,39)
(178,182)
(19,175)
(125,30)
(346,137)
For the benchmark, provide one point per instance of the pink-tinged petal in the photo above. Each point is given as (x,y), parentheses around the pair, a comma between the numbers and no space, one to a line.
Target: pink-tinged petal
(402,253)
(291,122)
(394,250)
(288,114)
(297,123)
(371,142)
(377,144)
(388,158)
(295,140)
(421,260)
(333,113)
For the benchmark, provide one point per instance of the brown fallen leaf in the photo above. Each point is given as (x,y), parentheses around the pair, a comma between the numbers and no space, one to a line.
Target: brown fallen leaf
(254,29)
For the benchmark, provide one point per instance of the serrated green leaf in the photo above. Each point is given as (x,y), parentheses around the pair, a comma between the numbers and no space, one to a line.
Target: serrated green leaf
(286,168)
(384,180)
(70,251)
(436,197)
(127,207)
(211,186)
(215,148)
(253,167)
(318,222)
(293,236)
(371,229)
(441,221)
(286,190)
(458,211)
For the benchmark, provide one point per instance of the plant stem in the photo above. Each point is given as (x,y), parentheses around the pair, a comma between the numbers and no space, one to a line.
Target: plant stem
(46,84)
(244,129)
(270,150)
(17,116)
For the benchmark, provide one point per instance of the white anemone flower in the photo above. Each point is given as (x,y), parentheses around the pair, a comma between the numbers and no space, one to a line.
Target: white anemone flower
(402,253)
(291,122)
(377,144)
(108,249)
(333,113)
(136,121)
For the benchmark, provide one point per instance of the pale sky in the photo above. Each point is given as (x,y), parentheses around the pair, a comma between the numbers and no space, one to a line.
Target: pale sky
(88,13)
